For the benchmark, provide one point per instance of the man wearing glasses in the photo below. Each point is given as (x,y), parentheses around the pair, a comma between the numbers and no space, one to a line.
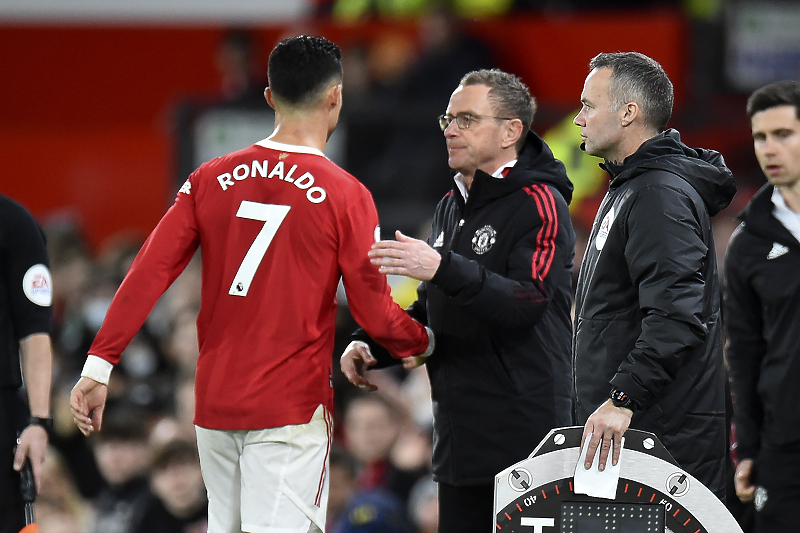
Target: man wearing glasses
(496,290)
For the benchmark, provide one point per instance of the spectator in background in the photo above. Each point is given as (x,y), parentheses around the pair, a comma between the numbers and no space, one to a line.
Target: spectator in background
(376,103)
(446,53)
(241,78)
(762,314)
(648,351)
(373,512)
(123,454)
(423,505)
(372,426)
(176,423)
(406,85)
(178,504)
(59,506)
(26,293)
(343,470)
(351,10)
(496,289)
(73,271)
(59,502)
(278,225)
(371,429)
(241,88)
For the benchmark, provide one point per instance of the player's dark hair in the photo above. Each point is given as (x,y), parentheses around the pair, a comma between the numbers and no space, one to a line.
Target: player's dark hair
(301,68)
(638,78)
(774,95)
(509,96)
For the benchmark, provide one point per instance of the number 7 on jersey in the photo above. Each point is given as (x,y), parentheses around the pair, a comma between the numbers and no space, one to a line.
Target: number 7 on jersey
(272,216)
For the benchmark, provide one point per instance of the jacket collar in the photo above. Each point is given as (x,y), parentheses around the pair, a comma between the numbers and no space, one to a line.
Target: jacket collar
(535,164)
(500,173)
(759,219)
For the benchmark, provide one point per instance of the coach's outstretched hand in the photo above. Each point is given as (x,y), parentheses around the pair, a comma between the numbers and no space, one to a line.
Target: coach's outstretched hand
(87,402)
(405,257)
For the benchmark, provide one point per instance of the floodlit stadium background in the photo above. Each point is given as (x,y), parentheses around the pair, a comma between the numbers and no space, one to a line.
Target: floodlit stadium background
(91,88)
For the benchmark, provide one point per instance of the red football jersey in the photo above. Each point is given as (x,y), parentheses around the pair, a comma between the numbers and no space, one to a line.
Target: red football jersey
(277,226)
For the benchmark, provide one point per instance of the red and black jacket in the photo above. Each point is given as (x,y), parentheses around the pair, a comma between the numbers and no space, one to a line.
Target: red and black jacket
(499,306)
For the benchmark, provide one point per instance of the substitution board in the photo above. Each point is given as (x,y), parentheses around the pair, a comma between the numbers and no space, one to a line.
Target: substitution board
(537,495)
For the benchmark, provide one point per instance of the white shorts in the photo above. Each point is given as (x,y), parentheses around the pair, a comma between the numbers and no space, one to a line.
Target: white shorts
(267,481)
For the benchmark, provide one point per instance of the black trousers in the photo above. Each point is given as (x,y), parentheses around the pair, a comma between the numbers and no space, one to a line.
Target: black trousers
(466,509)
(12,510)
(777,479)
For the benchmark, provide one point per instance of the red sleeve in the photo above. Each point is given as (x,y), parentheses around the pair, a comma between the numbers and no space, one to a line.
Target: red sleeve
(368,293)
(162,258)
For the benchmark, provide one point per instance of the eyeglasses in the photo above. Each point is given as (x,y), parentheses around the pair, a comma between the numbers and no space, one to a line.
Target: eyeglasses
(464,120)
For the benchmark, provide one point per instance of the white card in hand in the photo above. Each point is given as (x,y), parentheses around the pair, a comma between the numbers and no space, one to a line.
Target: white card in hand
(593,482)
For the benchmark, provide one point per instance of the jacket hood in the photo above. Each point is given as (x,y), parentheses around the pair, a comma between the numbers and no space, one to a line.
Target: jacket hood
(535,164)
(540,166)
(705,170)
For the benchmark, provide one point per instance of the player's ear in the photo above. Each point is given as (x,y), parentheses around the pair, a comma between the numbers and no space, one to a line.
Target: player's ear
(333,98)
(268,96)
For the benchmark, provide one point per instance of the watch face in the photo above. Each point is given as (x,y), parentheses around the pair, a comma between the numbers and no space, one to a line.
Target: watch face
(620,399)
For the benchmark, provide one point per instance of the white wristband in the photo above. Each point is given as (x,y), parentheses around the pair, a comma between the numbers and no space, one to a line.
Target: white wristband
(431,343)
(97,368)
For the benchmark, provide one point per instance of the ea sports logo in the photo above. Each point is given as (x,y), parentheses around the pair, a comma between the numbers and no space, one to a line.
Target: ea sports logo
(37,284)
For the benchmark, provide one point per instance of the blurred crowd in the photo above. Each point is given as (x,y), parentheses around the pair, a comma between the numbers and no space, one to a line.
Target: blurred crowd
(141,472)
(354,10)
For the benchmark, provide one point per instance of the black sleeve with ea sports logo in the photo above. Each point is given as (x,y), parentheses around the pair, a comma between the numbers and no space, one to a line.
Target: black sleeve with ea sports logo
(26,287)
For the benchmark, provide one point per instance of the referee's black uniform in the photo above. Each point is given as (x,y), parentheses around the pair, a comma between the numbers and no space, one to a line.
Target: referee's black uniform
(24,310)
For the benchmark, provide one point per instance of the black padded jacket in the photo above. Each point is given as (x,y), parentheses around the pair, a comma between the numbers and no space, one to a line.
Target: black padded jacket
(762,319)
(647,315)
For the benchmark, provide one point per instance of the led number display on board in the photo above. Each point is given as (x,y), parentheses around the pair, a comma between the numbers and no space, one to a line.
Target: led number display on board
(537,495)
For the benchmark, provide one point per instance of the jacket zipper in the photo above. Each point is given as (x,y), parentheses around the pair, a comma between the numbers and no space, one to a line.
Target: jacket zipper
(456,234)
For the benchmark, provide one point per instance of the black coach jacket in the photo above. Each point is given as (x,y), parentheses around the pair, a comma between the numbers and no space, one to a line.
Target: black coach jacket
(647,316)
(499,306)
(762,317)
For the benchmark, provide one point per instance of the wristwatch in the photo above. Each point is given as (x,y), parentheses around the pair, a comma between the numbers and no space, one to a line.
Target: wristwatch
(620,399)
(46,423)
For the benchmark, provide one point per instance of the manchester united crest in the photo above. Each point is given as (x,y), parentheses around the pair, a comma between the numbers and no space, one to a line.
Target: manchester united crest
(483,239)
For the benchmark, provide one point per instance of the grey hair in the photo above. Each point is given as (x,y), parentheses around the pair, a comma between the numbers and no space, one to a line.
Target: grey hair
(509,96)
(638,78)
